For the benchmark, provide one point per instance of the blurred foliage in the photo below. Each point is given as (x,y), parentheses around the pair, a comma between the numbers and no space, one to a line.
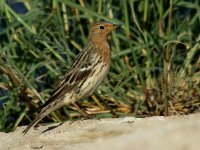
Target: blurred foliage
(155,66)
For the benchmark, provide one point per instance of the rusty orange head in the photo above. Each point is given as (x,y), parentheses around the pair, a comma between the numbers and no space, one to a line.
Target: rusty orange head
(101,30)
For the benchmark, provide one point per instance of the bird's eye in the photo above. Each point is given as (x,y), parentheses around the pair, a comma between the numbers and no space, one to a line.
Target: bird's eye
(101,27)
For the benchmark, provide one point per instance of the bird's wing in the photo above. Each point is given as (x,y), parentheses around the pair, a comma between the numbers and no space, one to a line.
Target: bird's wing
(80,70)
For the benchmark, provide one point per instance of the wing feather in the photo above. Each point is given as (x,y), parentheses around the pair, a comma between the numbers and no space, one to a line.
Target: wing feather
(80,70)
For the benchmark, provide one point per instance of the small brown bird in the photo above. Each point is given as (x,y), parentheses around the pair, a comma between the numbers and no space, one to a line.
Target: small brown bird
(86,73)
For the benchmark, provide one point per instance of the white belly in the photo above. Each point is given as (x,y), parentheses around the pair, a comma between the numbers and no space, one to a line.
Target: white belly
(93,81)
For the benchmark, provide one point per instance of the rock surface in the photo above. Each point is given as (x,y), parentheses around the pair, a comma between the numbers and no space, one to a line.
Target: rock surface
(153,133)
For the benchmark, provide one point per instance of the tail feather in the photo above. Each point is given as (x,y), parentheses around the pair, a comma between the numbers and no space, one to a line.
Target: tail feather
(32,124)
(45,111)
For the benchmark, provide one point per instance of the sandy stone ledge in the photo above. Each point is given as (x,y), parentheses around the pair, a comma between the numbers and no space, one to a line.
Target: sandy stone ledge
(153,133)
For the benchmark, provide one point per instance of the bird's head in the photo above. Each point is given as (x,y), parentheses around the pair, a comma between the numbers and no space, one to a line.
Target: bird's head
(101,30)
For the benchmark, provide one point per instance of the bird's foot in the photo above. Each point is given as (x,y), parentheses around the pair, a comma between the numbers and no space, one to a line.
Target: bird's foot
(88,116)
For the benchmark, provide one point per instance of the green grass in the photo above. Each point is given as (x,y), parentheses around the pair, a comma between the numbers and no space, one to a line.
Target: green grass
(155,66)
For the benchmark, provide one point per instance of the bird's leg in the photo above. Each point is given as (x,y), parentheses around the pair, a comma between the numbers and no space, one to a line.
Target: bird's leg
(83,112)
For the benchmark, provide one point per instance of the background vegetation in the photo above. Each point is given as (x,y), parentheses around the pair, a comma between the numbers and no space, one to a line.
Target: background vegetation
(155,57)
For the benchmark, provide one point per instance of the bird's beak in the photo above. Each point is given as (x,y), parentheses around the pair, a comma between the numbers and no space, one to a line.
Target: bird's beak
(116,26)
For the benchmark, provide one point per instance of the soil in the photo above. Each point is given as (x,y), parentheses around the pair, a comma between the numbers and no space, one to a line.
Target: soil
(152,133)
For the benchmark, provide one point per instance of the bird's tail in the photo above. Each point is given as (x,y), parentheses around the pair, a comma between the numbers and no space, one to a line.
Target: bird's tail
(45,111)
(32,124)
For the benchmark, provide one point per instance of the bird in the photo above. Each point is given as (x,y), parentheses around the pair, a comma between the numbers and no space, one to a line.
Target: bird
(87,71)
